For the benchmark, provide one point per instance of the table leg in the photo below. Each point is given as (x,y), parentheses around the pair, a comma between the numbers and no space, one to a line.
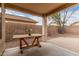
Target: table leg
(25,42)
(38,43)
(21,51)
(34,41)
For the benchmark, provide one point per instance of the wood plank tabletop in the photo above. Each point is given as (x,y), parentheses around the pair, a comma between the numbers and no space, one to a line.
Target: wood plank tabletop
(26,35)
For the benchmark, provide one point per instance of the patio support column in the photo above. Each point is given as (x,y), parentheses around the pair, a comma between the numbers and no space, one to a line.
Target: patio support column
(44,28)
(3,22)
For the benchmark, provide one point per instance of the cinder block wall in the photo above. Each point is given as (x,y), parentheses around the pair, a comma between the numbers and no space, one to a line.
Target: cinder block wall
(14,28)
(72,30)
(52,30)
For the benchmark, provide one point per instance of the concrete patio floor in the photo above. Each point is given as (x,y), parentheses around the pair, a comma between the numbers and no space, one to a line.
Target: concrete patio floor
(47,49)
(55,45)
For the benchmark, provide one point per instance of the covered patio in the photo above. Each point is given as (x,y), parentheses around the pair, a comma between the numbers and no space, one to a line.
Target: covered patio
(41,10)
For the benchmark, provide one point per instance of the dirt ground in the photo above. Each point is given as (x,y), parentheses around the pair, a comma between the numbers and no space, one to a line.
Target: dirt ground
(67,41)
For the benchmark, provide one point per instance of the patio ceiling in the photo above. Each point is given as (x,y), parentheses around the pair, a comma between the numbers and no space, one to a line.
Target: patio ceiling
(39,9)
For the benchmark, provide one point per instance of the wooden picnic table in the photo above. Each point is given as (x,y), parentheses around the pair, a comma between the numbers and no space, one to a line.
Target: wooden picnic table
(23,38)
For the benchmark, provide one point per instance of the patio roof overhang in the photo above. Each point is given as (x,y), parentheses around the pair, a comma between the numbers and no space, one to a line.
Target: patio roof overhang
(38,9)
